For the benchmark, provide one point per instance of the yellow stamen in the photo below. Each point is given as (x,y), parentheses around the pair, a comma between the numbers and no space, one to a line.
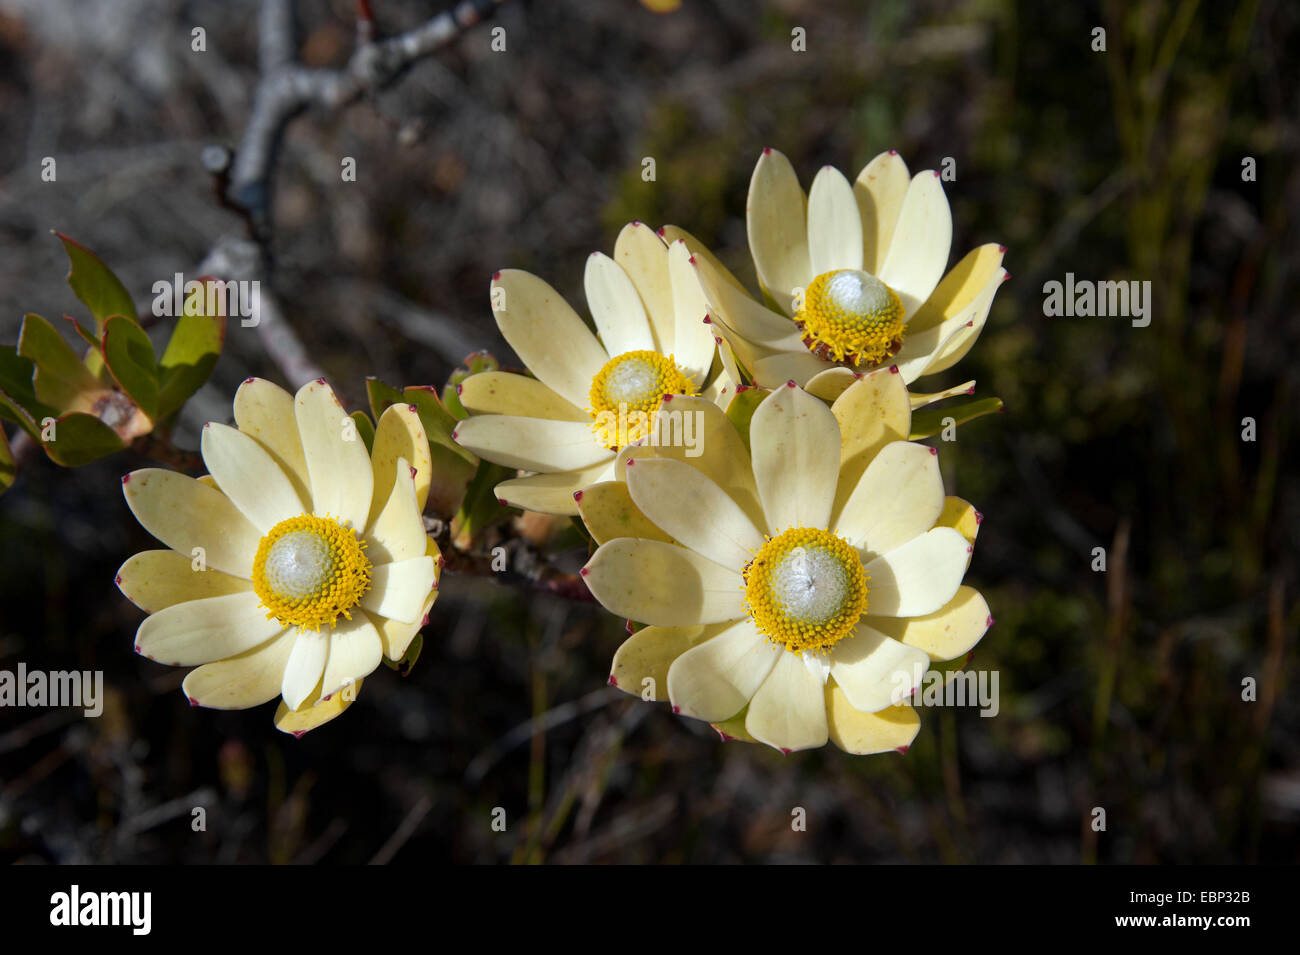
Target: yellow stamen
(805,589)
(627,392)
(309,571)
(851,316)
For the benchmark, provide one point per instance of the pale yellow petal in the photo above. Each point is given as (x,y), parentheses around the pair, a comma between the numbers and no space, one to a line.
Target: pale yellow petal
(338,464)
(693,345)
(871,413)
(547,334)
(641,664)
(642,254)
(863,734)
(899,497)
(399,590)
(399,435)
(776,221)
(616,307)
(788,711)
(946,634)
(834,224)
(503,393)
(919,577)
(185,514)
(534,444)
(201,631)
(249,476)
(314,713)
(265,411)
(714,680)
(693,510)
(239,682)
(662,584)
(957,292)
(608,511)
(876,671)
(553,493)
(155,579)
(305,667)
(918,250)
(398,532)
(795,443)
(355,651)
(879,190)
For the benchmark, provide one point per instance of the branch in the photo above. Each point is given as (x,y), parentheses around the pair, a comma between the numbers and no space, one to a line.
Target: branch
(288,88)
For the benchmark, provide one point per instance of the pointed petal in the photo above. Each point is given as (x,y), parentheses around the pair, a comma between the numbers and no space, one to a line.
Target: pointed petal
(547,334)
(798,366)
(239,682)
(399,590)
(155,579)
(398,531)
(919,577)
(834,223)
(789,710)
(201,631)
(693,346)
(899,497)
(314,712)
(338,464)
(641,664)
(503,393)
(752,321)
(776,220)
(265,411)
(355,651)
(875,671)
(306,665)
(616,307)
(608,511)
(249,476)
(714,680)
(796,446)
(553,493)
(643,256)
(879,190)
(948,633)
(863,734)
(534,444)
(693,510)
(399,436)
(184,514)
(918,251)
(959,288)
(663,584)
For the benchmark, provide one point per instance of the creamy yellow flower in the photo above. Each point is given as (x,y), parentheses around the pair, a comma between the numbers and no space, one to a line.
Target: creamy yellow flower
(591,396)
(800,592)
(856,271)
(295,564)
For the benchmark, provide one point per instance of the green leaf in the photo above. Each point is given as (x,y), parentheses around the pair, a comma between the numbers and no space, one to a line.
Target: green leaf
(742,407)
(61,378)
(191,353)
(18,401)
(79,438)
(403,666)
(381,396)
(474,363)
(931,421)
(365,428)
(480,508)
(438,421)
(95,284)
(130,357)
(8,467)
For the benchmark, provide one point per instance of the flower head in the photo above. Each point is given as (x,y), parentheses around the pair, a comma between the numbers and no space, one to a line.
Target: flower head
(854,273)
(591,396)
(295,565)
(797,593)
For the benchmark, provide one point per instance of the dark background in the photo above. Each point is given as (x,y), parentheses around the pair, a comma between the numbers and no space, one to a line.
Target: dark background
(1120,690)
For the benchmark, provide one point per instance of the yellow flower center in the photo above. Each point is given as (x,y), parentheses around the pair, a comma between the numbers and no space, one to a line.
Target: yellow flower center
(309,571)
(805,589)
(851,316)
(627,392)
